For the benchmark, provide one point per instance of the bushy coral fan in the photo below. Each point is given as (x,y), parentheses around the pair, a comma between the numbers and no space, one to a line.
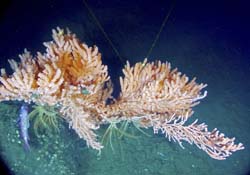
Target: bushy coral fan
(70,75)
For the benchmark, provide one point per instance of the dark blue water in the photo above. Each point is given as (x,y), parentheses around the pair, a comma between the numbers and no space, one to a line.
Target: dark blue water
(209,40)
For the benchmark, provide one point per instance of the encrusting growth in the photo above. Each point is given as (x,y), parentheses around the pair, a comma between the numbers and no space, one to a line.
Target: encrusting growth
(70,75)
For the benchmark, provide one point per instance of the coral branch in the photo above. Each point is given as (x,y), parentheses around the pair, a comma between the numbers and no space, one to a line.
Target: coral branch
(213,143)
(149,88)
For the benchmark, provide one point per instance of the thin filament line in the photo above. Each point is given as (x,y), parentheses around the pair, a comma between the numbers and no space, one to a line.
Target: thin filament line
(103,31)
(161,28)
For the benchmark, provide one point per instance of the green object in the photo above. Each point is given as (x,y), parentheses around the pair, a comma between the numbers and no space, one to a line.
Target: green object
(116,131)
(85,91)
(45,118)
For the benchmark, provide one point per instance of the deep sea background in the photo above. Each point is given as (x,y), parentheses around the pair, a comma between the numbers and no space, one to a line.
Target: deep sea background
(209,40)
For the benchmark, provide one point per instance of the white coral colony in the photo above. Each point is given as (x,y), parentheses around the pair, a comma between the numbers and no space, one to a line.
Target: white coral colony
(71,75)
